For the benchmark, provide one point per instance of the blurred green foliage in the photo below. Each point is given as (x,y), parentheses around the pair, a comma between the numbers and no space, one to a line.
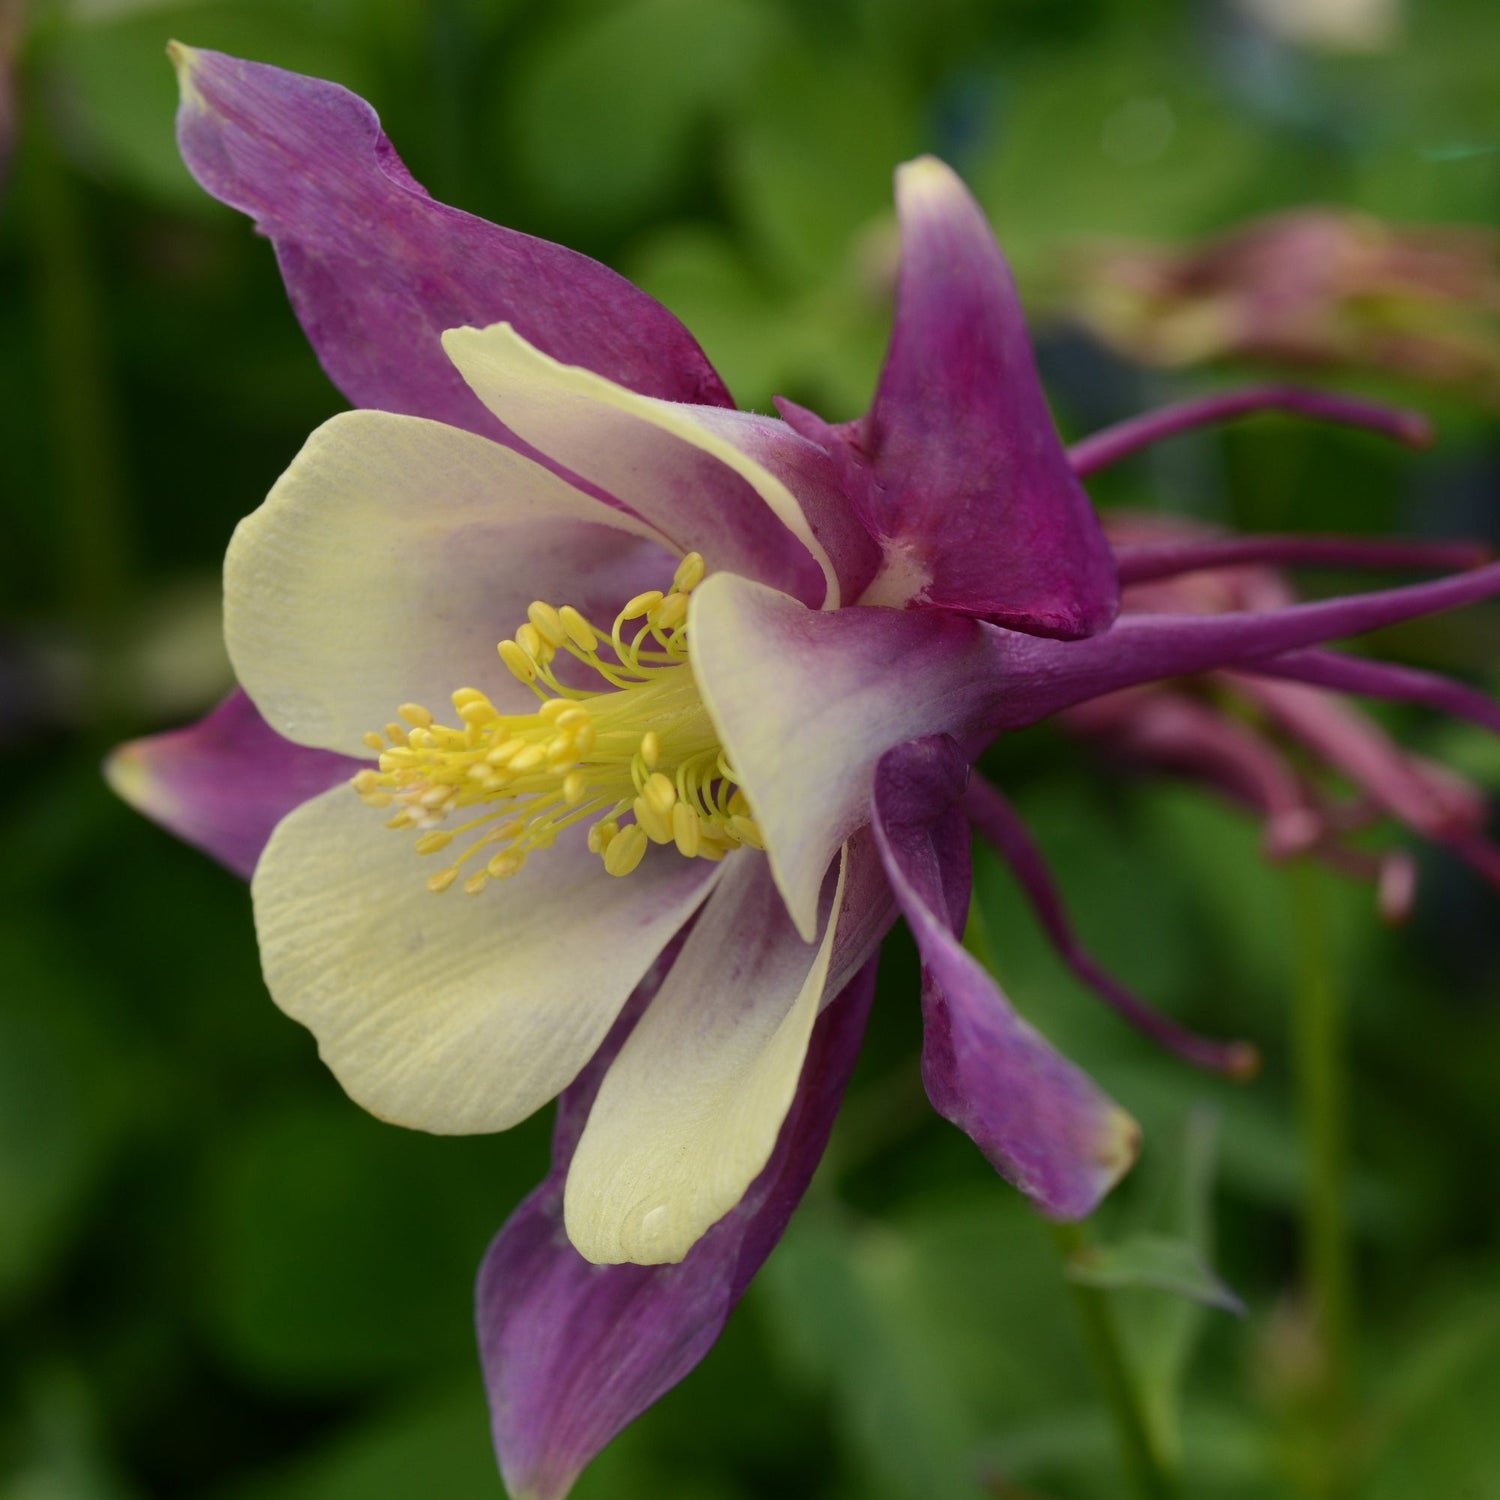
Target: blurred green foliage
(217,1278)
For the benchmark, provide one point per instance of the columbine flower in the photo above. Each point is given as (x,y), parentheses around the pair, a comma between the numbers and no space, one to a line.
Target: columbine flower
(1312,287)
(1273,737)
(743,667)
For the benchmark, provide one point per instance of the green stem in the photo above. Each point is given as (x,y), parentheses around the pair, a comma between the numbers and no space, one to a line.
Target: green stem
(1318,1046)
(75,369)
(1146,1469)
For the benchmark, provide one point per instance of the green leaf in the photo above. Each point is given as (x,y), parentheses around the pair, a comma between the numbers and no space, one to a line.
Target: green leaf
(434,1445)
(64,1079)
(345,1249)
(1157,1263)
(606,112)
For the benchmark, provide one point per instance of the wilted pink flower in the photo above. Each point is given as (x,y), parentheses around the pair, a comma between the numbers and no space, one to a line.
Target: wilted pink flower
(703,816)
(1313,287)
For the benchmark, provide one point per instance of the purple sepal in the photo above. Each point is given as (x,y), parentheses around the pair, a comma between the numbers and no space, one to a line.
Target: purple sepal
(1040,1121)
(1047,676)
(992,816)
(377,270)
(957,469)
(223,783)
(573,1352)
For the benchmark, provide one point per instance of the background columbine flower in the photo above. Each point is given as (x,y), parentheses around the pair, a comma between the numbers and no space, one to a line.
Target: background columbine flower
(877,601)
(1313,287)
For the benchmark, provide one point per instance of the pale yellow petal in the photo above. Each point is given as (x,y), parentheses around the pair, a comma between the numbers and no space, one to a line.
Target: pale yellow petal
(454,1013)
(389,560)
(689,1112)
(647,453)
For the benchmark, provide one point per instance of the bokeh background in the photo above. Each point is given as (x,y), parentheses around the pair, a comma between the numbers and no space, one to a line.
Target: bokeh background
(219,1279)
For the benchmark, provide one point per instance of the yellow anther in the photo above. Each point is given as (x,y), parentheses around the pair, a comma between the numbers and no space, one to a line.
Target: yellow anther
(506,784)
(657,828)
(580,632)
(547,622)
(478,711)
(687,830)
(529,639)
(747,831)
(502,753)
(659,793)
(642,604)
(625,851)
(671,612)
(506,863)
(516,659)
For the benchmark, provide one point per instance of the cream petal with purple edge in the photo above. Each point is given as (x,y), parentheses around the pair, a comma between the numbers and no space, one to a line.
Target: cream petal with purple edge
(689,1112)
(454,1013)
(806,701)
(389,560)
(662,459)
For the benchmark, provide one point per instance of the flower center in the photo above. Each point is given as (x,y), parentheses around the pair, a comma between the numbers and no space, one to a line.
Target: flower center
(640,748)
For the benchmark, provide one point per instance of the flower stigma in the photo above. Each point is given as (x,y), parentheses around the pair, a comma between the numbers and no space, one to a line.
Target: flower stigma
(640,749)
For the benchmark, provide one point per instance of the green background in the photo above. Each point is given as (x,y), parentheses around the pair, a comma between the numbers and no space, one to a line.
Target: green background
(219,1279)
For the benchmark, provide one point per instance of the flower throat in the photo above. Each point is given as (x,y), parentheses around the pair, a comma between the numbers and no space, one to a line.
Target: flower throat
(641,747)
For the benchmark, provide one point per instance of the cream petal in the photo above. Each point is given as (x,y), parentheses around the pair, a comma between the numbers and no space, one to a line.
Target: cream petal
(672,464)
(390,558)
(454,1013)
(805,702)
(689,1111)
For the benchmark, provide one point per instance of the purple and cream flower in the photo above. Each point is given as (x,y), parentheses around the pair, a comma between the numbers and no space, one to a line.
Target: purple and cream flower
(644,861)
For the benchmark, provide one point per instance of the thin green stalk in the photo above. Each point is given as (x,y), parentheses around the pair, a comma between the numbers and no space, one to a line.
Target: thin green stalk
(90,487)
(1146,1469)
(1319,1027)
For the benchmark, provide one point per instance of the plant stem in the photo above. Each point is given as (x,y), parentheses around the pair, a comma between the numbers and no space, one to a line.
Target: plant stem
(90,492)
(1146,1470)
(1318,1047)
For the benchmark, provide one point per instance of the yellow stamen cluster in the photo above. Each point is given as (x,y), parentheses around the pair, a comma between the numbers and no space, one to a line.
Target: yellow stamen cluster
(640,748)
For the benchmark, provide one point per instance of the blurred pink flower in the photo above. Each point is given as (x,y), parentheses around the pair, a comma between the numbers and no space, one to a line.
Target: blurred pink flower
(1311,287)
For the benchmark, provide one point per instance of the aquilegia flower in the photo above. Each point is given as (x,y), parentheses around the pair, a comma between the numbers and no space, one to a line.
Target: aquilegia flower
(645,859)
